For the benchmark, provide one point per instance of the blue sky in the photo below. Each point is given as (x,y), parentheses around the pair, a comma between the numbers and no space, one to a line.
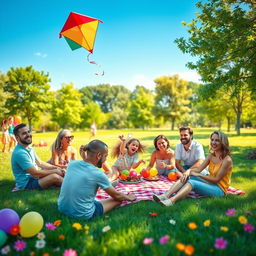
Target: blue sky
(134,45)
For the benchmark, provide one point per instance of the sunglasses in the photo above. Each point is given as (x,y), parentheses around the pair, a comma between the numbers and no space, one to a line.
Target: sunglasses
(69,137)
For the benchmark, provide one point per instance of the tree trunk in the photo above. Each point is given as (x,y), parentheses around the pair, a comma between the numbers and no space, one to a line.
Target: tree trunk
(173,123)
(220,123)
(238,122)
(30,123)
(229,123)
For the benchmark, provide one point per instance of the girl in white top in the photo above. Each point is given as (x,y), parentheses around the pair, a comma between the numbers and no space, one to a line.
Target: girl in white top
(127,152)
(163,156)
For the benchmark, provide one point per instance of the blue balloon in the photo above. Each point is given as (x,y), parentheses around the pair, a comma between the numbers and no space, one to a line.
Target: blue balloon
(8,218)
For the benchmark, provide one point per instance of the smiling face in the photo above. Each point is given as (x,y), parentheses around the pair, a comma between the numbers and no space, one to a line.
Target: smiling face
(185,137)
(162,145)
(215,143)
(66,139)
(24,136)
(133,147)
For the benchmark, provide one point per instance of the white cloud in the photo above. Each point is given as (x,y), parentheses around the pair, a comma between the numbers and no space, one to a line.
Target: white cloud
(39,54)
(188,76)
(141,79)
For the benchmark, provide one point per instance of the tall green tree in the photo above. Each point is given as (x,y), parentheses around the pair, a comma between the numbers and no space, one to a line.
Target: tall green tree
(67,107)
(223,38)
(29,92)
(141,108)
(172,98)
(92,113)
(3,95)
(106,95)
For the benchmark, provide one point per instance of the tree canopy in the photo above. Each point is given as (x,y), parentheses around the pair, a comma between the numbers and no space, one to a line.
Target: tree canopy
(223,38)
(172,98)
(29,92)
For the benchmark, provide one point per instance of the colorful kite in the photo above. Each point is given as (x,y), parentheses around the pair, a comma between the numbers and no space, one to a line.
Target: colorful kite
(80,31)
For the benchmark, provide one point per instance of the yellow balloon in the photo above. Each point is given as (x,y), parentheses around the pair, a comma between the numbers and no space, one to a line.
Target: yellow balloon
(153,172)
(31,224)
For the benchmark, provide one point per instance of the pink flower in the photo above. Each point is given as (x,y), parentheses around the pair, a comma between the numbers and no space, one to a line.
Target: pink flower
(148,240)
(231,212)
(164,239)
(220,243)
(69,252)
(19,245)
(50,226)
(248,227)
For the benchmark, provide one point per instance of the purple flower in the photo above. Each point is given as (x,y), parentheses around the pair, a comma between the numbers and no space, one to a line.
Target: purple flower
(248,227)
(220,243)
(148,240)
(164,239)
(19,245)
(50,226)
(231,212)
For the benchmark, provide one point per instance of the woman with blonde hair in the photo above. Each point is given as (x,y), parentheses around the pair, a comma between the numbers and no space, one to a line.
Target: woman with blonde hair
(219,164)
(62,151)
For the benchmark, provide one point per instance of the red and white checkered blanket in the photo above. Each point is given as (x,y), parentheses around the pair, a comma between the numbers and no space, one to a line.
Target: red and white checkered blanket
(145,190)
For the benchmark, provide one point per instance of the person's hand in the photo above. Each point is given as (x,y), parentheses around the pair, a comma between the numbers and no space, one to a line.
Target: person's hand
(122,138)
(142,161)
(162,165)
(185,176)
(195,174)
(131,197)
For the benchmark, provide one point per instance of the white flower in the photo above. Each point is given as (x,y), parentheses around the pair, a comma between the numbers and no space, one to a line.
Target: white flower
(105,229)
(40,244)
(5,250)
(172,221)
(41,235)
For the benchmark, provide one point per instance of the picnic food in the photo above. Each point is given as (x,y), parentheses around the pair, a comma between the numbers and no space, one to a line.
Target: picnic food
(155,178)
(132,176)
(172,176)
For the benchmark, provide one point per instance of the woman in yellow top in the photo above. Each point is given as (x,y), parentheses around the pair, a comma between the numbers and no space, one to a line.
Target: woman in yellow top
(219,164)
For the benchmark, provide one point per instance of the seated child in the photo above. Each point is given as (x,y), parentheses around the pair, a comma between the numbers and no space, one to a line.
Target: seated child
(127,152)
(163,156)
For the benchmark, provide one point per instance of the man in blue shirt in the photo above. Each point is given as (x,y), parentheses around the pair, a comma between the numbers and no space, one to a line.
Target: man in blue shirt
(82,180)
(25,164)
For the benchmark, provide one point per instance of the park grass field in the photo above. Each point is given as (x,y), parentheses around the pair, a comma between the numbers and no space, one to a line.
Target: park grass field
(131,224)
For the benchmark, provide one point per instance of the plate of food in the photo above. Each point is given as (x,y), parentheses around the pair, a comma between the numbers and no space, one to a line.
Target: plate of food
(131,180)
(154,178)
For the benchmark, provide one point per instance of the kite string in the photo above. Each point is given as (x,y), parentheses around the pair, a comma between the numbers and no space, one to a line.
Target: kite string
(94,63)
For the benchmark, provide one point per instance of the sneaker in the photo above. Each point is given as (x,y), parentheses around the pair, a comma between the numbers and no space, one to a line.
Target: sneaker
(167,202)
(158,198)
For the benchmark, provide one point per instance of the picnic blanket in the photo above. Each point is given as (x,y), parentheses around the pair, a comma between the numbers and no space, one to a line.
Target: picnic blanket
(145,190)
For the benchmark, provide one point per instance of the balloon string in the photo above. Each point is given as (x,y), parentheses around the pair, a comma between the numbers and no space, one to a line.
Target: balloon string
(95,63)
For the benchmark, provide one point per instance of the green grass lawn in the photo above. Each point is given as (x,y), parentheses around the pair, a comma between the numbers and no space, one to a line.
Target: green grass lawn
(131,224)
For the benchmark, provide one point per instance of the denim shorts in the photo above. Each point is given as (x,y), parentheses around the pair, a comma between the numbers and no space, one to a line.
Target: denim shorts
(98,209)
(165,171)
(33,183)
(206,189)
